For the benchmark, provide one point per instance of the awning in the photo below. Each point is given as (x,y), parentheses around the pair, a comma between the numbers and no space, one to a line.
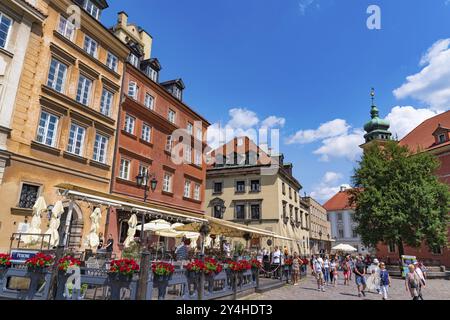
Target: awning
(82,194)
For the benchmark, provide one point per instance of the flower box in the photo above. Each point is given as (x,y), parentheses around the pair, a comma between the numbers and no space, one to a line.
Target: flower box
(5,261)
(39,263)
(123,270)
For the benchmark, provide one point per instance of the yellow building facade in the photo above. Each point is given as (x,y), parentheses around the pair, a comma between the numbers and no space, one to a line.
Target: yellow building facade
(64,122)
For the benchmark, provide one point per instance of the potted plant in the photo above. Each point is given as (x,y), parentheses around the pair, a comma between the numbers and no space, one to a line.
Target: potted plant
(5,261)
(39,263)
(162,273)
(194,269)
(256,266)
(123,269)
(212,267)
(66,262)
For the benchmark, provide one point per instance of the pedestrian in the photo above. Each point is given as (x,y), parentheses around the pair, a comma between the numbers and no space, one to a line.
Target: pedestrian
(360,272)
(276,261)
(385,281)
(424,269)
(373,281)
(182,251)
(346,267)
(318,272)
(334,272)
(352,261)
(326,270)
(412,282)
(421,275)
(296,264)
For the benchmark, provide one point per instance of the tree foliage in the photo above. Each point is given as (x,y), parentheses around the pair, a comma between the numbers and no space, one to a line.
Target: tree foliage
(399,199)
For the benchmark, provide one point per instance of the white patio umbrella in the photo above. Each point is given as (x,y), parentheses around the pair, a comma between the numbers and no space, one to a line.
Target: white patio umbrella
(39,208)
(344,247)
(155,225)
(55,222)
(132,224)
(93,239)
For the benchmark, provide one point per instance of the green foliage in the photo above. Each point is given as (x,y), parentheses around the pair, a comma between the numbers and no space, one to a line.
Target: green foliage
(399,198)
(133,252)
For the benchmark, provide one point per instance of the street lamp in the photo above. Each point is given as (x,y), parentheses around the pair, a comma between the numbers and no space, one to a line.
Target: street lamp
(142,181)
(320,242)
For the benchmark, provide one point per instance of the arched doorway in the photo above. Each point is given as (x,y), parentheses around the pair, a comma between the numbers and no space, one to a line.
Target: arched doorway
(74,226)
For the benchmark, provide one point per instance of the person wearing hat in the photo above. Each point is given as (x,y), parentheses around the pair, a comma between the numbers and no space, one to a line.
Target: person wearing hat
(373,282)
(385,281)
(422,282)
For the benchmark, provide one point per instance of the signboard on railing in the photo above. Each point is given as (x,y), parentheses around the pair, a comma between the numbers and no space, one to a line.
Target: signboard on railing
(20,256)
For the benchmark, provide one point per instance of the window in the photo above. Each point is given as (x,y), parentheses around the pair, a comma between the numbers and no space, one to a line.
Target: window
(152,74)
(66,28)
(339,217)
(106,102)
(341,233)
(146,133)
(217,210)
(199,134)
(295,196)
(169,143)
(134,60)
(100,146)
(291,213)
(91,8)
(296,215)
(198,158)
(284,211)
(240,186)
(218,187)
(143,170)
(133,90)
(76,139)
(177,92)
(90,46)
(112,61)
(171,116)
(442,138)
(5,28)
(190,128)
(240,212)
(187,189)
(57,75)
(123,233)
(436,250)
(197,192)
(28,196)
(354,233)
(124,172)
(48,126)
(188,154)
(290,193)
(255,186)
(255,211)
(240,142)
(84,90)
(149,101)
(167,182)
(129,124)
(391,247)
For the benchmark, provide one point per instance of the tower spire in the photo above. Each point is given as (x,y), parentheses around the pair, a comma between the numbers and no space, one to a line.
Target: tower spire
(372,94)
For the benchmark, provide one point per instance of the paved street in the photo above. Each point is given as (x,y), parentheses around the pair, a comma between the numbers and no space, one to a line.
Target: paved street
(307,290)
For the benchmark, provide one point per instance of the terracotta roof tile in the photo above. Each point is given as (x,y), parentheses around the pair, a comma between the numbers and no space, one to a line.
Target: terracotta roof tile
(340,201)
(422,136)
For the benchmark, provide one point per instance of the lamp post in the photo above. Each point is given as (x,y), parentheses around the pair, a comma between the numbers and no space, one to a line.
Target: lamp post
(142,181)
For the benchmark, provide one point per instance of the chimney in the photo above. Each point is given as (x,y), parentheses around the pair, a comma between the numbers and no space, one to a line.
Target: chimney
(343,188)
(122,19)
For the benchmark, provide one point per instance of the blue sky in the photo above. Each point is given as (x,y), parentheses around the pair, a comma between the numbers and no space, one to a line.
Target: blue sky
(305,67)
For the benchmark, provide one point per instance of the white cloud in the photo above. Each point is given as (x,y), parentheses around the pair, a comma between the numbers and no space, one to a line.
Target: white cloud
(329,129)
(343,146)
(328,186)
(242,122)
(305,4)
(431,84)
(404,119)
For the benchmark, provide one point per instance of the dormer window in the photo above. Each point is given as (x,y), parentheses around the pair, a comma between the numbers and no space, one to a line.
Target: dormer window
(92,9)
(442,138)
(177,92)
(152,74)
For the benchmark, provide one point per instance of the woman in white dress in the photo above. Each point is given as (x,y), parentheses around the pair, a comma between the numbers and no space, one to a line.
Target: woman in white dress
(373,282)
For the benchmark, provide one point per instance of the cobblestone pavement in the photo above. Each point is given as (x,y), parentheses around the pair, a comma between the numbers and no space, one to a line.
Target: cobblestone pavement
(307,290)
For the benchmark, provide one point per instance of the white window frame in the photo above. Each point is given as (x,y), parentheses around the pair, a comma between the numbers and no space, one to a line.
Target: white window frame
(83,96)
(106,102)
(43,131)
(152,74)
(177,92)
(71,147)
(134,60)
(146,133)
(199,134)
(167,182)
(187,153)
(197,188)
(53,83)
(198,158)
(143,169)
(88,45)
(66,28)
(130,124)
(112,62)
(172,116)
(124,169)
(149,101)
(97,156)
(133,90)
(8,32)
(91,8)
(187,189)
(190,128)
(169,143)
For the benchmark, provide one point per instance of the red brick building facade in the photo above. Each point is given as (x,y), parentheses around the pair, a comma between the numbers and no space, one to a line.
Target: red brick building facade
(433,136)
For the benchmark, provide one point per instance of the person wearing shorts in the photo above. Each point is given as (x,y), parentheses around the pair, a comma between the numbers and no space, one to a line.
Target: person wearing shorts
(360,271)
(347,271)
(318,271)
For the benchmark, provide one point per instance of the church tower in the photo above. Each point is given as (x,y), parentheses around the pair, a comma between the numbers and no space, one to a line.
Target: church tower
(377,129)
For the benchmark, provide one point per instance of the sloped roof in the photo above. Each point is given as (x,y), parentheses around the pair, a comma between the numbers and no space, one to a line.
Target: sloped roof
(340,201)
(422,136)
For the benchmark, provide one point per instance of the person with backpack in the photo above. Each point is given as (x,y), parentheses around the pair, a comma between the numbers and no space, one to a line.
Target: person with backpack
(412,282)
(318,272)
(347,271)
(385,281)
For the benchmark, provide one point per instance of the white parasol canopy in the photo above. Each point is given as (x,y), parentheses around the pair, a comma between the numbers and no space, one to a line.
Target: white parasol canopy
(39,208)
(132,223)
(155,225)
(93,239)
(345,248)
(55,222)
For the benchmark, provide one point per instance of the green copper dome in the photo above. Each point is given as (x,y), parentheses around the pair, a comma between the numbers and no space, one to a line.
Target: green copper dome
(377,128)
